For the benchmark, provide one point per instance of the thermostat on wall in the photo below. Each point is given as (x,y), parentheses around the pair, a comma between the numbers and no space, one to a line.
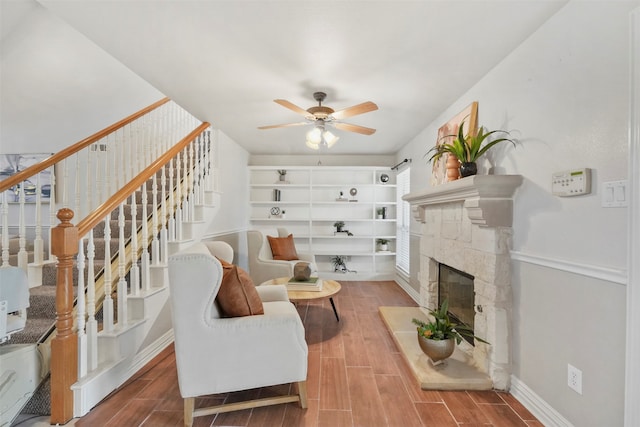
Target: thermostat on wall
(575,182)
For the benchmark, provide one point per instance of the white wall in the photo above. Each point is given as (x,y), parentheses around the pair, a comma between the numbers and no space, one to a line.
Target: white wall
(564,94)
(322,160)
(232,219)
(56,86)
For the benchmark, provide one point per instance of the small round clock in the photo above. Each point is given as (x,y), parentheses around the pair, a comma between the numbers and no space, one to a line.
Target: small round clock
(275,210)
(384,178)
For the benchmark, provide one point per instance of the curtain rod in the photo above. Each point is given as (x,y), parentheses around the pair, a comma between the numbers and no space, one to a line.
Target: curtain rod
(401,163)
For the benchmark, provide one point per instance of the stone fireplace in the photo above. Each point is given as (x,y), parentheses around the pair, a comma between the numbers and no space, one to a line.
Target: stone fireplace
(467,225)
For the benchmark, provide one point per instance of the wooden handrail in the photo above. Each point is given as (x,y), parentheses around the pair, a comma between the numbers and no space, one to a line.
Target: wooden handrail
(72,149)
(98,214)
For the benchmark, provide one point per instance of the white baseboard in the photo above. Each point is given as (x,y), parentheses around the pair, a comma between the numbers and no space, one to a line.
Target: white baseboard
(90,390)
(404,284)
(536,405)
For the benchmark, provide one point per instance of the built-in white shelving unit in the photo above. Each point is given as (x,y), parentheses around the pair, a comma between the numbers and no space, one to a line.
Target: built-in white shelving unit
(310,200)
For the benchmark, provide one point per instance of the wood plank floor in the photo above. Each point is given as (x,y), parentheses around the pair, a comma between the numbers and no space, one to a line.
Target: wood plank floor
(356,377)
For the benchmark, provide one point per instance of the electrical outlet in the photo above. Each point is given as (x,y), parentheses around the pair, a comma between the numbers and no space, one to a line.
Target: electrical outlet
(574,378)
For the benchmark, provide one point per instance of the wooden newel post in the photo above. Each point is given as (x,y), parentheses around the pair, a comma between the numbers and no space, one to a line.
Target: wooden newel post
(64,347)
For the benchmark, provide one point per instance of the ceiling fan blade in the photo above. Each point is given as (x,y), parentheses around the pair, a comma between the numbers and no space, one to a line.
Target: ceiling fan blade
(354,128)
(365,107)
(286,125)
(293,107)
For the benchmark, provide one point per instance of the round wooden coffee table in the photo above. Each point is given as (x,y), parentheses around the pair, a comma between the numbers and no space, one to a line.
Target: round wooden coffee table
(329,289)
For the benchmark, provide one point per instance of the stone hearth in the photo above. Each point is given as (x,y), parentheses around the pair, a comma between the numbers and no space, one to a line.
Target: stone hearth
(466,224)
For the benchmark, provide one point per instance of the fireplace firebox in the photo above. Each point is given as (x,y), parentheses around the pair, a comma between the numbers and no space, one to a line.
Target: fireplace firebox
(457,287)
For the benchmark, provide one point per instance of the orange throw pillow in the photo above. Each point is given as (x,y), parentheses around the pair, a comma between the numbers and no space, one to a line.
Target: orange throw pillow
(237,295)
(283,248)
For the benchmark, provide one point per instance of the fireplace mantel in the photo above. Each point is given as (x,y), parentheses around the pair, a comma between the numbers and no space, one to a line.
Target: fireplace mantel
(488,199)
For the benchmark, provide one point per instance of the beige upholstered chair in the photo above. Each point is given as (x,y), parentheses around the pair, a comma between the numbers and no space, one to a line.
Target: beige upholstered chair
(215,354)
(262,266)
(14,300)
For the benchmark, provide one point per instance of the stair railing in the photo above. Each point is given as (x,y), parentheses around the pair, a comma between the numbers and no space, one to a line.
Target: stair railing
(93,180)
(136,149)
(66,343)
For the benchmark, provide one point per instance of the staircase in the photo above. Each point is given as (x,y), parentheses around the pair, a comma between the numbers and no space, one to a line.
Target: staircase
(116,340)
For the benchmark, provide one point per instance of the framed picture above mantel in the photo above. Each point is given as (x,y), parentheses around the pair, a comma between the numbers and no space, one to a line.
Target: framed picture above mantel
(446,134)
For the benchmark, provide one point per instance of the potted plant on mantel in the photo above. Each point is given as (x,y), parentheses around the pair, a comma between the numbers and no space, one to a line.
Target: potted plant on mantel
(467,148)
(438,338)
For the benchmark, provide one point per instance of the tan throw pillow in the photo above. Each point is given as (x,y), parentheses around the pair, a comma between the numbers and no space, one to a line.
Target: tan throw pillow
(283,248)
(237,295)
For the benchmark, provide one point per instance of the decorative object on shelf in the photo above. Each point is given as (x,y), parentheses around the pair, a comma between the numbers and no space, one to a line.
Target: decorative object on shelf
(341,197)
(275,211)
(379,212)
(282,176)
(276,195)
(340,264)
(453,168)
(439,166)
(301,271)
(339,225)
(437,338)
(353,192)
(384,178)
(283,214)
(383,244)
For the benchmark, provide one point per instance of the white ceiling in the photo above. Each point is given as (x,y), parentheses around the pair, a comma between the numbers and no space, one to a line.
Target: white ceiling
(226,61)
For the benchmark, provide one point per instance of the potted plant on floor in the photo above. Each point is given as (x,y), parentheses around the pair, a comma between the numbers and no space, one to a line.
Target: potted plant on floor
(438,337)
(467,148)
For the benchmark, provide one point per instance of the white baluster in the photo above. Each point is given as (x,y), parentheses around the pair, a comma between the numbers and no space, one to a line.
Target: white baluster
(23,257)
(134,272)
(122,283)
(92,324)
(77,189)
(38,244)
(144,258)
(179,195)
(107,304)
(155,244)
(80,313)
(5,230)
(88,184)
(164,238)
(65,185)
(52,209)
(172,209)
(192,181)
(100,148)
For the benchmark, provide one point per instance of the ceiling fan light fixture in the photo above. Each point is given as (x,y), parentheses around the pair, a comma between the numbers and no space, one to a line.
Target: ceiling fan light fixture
(312,145)
(315,135)
(330,138)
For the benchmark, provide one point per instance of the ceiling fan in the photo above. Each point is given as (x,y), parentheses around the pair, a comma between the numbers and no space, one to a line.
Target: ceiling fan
(321,115)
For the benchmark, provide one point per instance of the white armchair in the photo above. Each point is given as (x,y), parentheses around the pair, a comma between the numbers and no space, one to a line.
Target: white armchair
(14,300)
(262,266)
(219,355)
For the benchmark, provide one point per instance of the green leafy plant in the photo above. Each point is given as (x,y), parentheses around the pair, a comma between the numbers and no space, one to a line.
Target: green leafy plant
(382,241)
(282,172)
(467,148)
(339,263)
(338,224)
(441,327)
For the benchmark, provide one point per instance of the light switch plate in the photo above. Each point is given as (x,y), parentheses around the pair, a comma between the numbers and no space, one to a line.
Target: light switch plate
(614,194)
(575,182)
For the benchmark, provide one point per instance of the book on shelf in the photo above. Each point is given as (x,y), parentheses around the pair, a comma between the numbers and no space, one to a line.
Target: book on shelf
(313,284)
